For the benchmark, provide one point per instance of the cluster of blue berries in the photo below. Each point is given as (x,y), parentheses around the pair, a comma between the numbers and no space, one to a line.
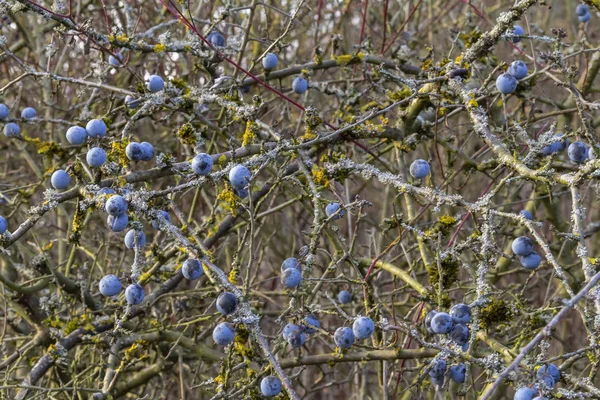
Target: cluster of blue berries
(110,286)
(454,324)
(227,304)
(139,151)
(523,247)
(332,209)
(116,207)
(583,13)
(11,129)
(548,376)
(560,143)
(291,272)
(507,82)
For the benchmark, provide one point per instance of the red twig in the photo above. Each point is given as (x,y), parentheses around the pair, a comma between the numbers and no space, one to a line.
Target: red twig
(402,27)
(364,21)
(385,11)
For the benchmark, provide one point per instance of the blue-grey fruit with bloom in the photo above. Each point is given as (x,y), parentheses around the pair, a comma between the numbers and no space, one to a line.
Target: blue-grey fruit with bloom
(344,297)
(343,337)
(131,102)
(517,30)
(522,246)
(585,17)
(147,151)
(134,151)
(560,143)
(578,152)
(437,372)
(224,333)
(117,223)
(526,214)
(60,179)
(311,324)
(11,130)
(461,313)
(96,157)
(525,393)
(227,303)
(460,334)
(291,278)
(531,261)
(28,113)
(419,169)
(192,269)
(239,176)
(363,328)
(332,208)
(299,85)
(76,135)
(296,338)
(202,164)
(270,61)
(518,69)
(428,319)
(116,205)
(162,217)
(581,9)
(242,193)
(155,83)
(216,39)
(270,386)
(291,262)
(458,372)
(95,128)
(4,111)
(115,60)
(550,369)
(506,83)
(288,329)
(3,225)
(106,191)
(130,237)
(134,294)
(110,285)
(442,323)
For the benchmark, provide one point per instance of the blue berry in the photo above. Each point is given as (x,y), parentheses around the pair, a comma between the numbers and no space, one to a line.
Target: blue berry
(291,278)
(363,328)
(518,69)
(147,151)
(545,381)
(96,157)
(291,262)
(296,338)
(522,246)
(344,297)
(239,176)
(227,303)
(517,31)
(585,17)
(592,153)
(129,239)
(581,9)
(526,214)
(288,329)
(460,334)
(155,83)
(96,128)
(116,205)
(461,313)
(4,111)
(270,61)
(441,323)
(550,369)
(134,151)
(11,130)
(343,337)
(310,321)
(270,386)
(28,113)
(110,285)
(419,169)
(557,145)
(457,373)
(60,180)
(332,208)
(162,215)
(3,225)
(131,102)
(216,39)
(76,135)
(525,393)
(428,319)
(531,261)
(134,294)
(202,164)
(506,83)
(117,223)
(224,333)
(299,85)
(437,372)
(192,269)
(105,191)
(115,60)
(578,152)
(242,193)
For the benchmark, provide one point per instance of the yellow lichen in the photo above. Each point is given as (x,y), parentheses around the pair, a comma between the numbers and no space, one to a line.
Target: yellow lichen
(159,48)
